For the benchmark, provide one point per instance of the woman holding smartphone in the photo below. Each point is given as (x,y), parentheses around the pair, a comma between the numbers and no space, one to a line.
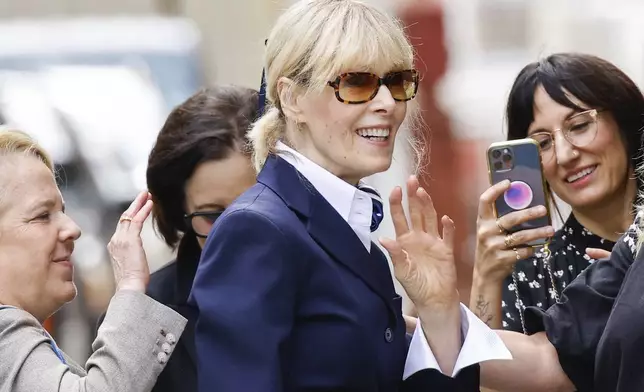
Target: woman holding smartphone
(587,117)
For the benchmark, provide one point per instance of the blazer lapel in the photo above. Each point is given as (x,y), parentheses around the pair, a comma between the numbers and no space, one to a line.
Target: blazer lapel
(327,227)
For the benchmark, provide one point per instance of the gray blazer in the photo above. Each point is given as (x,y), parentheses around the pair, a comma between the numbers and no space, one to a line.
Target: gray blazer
(130,351)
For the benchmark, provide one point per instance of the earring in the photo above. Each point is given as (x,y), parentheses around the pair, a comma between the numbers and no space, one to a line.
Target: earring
(575,153)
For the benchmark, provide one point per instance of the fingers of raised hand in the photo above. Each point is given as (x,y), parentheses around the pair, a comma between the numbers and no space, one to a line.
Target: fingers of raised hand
(397,212)
(430,220)
(487,199)
(128,230)
(137,212)
(422,213)
(449,230)
(415,204)
(142,214)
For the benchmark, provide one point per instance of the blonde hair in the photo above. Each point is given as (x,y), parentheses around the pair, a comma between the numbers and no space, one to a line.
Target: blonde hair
(312,43)
(17,142)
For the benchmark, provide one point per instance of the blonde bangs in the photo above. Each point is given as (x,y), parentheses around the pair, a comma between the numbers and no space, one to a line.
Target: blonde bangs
(349,36)
(311,44)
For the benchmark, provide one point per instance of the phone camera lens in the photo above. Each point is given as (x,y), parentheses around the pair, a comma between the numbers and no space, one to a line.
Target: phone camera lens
(507,158)
(498,165)
(496,154)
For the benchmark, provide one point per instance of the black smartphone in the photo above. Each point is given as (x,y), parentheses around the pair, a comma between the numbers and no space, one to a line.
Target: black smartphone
(520,162)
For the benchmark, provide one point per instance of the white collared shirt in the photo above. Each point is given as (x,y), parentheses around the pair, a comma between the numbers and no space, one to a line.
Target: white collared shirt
(355,207)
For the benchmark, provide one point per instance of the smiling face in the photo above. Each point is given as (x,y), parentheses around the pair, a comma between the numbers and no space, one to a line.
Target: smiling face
(352,141)
(36,239)
(583,176)
(333,69)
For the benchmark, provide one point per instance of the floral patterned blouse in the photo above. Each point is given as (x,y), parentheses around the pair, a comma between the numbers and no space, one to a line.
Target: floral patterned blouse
(531,285)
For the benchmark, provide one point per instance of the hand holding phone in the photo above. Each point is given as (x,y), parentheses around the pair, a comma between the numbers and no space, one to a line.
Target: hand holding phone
(519,162)
(512,219)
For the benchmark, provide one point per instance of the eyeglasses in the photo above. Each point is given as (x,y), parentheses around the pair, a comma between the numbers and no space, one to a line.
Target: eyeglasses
(579,130)
(361,87)
(201,222)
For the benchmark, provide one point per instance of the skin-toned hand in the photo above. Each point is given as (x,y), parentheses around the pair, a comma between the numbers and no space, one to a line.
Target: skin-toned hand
(423,262)
(129,262)
(410,323)
(497,252)
(494,259)
(597,253)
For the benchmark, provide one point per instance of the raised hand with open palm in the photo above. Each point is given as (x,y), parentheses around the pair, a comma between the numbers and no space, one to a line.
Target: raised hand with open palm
(423,262)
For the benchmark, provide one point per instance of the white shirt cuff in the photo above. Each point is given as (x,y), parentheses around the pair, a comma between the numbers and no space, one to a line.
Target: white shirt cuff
(481,344)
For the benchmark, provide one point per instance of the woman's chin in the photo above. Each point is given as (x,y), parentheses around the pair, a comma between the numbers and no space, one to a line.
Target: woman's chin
(371,166)
(68,292)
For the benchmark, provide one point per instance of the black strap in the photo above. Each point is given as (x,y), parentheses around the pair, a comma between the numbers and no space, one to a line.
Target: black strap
(262,93)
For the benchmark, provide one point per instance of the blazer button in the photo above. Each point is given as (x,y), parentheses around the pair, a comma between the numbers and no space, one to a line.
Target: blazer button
(166,348)
(389,335)
(162,358)
(170,338)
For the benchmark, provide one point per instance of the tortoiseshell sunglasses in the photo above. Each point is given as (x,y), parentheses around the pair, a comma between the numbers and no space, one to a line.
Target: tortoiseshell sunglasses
(361,87)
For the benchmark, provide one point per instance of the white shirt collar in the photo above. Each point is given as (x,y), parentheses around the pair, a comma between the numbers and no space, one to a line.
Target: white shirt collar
(353,205)
(336,191)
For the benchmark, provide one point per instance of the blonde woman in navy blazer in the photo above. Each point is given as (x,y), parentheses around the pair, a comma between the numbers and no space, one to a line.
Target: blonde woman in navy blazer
(292,294)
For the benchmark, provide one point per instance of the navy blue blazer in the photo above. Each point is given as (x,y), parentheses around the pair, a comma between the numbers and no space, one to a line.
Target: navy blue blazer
(289,299)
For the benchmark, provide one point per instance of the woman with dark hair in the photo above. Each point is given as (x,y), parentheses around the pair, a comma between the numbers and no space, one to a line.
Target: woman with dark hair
(197,167)
(587,117)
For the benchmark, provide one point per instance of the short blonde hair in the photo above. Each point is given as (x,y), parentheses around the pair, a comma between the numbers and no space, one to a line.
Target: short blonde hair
(17,142)
(316,40)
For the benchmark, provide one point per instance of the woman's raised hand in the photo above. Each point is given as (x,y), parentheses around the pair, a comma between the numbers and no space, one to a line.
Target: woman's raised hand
(129,262)
(422,258)
(423,261)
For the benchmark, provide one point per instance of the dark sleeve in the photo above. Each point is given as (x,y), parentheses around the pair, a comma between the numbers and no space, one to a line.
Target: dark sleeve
(467,380)
(575,325)
(245,289)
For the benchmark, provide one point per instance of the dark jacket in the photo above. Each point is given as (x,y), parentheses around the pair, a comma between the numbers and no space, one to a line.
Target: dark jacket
(290,300)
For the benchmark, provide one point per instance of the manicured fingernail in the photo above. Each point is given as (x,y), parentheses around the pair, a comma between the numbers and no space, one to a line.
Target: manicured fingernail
(550,230)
